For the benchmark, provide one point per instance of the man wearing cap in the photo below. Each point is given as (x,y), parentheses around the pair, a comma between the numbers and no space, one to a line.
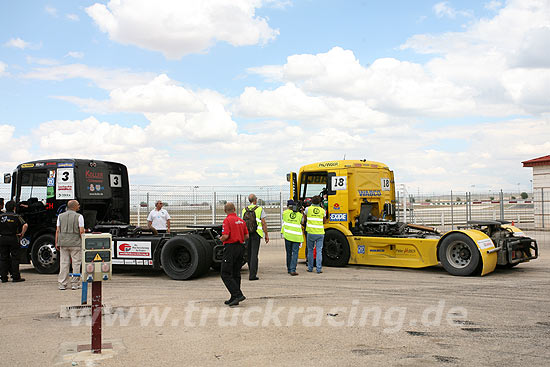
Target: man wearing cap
(293,235)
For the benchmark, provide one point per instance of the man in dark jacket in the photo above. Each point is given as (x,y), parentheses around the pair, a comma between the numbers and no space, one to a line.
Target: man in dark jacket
(12,229)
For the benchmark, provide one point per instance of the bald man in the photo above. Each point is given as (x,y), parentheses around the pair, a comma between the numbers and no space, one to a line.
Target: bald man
(68,242)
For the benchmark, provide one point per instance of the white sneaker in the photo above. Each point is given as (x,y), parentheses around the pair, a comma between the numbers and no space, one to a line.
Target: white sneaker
(62,287)
(74,287)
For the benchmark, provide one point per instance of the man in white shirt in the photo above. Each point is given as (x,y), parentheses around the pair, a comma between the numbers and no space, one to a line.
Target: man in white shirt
(159,218)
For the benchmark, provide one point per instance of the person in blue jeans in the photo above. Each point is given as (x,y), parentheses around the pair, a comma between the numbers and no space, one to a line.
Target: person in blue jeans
(293,235)
(314,218)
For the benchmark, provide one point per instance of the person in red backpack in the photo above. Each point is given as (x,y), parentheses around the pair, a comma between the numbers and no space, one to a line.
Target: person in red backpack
(254,217)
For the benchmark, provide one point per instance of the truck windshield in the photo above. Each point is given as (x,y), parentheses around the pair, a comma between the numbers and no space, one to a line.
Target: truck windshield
(33,185)
(312,184)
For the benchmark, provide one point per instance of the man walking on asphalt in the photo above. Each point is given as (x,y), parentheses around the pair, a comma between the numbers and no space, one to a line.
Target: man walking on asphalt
(234,233)
(68,241)
(254,216)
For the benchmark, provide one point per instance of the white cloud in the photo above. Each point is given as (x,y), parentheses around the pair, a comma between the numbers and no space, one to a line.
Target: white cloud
(443,9)
(177,28)
(17,43)
(3,68)
(51,10)
(75,54)
(493,5)
(41,61)
(73,17)
(104,78)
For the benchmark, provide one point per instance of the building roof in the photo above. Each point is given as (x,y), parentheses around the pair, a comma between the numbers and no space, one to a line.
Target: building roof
(541,161)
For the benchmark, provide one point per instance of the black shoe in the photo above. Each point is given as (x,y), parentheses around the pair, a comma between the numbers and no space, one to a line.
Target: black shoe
(18,280)
(4,280)
(229,301)
(255,278)
(236,301)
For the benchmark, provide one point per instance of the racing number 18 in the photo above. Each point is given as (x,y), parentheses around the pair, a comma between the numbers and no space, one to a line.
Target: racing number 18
(339,182)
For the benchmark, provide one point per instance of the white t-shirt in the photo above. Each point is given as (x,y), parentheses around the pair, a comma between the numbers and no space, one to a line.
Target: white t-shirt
(158,219)
(80,221)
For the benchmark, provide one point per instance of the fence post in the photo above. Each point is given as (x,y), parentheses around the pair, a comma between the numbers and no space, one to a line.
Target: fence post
(397,206)
(214,208)
(501,205)
(542,204)
(281,210)
(452,213)
(139,207)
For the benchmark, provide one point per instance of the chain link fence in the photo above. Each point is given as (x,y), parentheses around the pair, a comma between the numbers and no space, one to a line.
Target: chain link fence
(204,204)
(449,211)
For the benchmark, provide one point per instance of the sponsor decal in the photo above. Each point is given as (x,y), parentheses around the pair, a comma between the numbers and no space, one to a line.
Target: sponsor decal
(49,206)
(92,176)
(292,215)
(51,182)
(316,211)
(130,262)
(51,174)
(328,164)
(139,262)
(65,165)
(150,262)
(51,164)
(25,242)
(139,249)
(519,234)
(407,251)
(336,206)
(367,193)
(39,165)
(27,165)
(338,217)
(50,193)
(361,249)
(117,262)
(485,243)
(376,250)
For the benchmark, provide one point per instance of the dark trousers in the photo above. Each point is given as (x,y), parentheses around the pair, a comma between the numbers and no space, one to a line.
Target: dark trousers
(231,268)
(253,248)
(9,260)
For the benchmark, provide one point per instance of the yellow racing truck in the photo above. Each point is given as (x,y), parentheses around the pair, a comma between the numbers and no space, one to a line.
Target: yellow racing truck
(362,228)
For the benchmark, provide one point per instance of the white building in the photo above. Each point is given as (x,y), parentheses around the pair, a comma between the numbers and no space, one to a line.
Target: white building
(541,190)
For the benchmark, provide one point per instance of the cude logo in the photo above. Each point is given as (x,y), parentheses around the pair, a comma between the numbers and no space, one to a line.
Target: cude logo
(125,247)
(336,206)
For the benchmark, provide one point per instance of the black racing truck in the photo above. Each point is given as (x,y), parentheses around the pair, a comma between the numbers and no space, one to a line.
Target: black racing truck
(41,190)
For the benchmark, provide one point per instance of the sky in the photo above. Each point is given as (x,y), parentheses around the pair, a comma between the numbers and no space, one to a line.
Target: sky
(448,94)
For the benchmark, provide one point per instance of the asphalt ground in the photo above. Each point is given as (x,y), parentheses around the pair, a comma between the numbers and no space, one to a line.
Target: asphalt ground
(357,315)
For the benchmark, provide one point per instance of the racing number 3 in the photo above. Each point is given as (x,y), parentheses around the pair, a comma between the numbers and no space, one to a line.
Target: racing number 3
(339,182)
(116,180)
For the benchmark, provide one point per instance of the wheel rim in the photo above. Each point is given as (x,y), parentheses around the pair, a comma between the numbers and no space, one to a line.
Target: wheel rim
(334,249)
(459,254)
(181,259)
(47,255)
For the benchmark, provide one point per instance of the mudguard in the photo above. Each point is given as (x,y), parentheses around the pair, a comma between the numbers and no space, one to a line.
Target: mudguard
(484,244)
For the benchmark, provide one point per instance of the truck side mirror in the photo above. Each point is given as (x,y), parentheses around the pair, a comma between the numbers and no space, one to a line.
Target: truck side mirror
(7,178)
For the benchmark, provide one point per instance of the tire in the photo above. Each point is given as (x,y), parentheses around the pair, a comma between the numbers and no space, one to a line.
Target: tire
(207,249)
(335,249)
(183,258)
(44,255)
(459,255)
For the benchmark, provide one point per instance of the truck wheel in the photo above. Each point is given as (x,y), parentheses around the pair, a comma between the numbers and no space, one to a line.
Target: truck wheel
(44,255)
(335,249)
(182,258)
(459,255)
(205,265)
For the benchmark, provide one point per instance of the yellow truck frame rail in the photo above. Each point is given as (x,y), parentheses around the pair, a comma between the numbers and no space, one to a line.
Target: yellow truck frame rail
(362,227)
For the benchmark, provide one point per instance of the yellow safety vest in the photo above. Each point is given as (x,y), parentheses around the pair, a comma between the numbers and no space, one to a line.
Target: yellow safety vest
(315,215)
(258,212)
(292,229)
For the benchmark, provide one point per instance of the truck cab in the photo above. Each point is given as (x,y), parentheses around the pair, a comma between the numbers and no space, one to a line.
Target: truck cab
(41,190)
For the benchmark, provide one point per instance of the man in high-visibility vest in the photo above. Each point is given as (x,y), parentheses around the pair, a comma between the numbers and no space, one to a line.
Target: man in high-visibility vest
(254,216)
(314,218)
(292,232)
